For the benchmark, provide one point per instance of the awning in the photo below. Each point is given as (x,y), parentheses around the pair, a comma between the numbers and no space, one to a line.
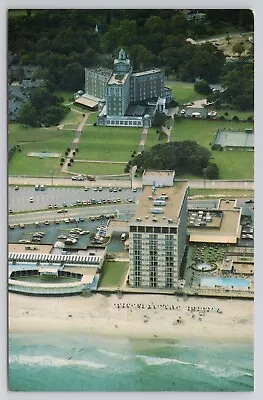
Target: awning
(87,102)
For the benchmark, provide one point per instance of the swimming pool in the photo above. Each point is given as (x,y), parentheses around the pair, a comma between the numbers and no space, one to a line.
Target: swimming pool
(225,282)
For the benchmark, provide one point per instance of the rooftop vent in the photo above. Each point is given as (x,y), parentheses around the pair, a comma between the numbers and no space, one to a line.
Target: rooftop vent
(146,217)
(138,219)
(170,220)
(154,219)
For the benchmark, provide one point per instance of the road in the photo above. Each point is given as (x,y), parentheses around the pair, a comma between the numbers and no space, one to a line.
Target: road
(193,184)
(126,211)
(19,199)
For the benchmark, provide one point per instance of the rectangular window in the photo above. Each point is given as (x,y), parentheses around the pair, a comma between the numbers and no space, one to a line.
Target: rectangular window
(164,229)
(173,230)
(141,228)
(149,229)
(133,228)
(157,229)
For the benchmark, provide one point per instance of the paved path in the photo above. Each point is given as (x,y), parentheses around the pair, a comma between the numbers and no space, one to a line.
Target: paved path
(143,139)
(74,144)
(101,161)
(167,132)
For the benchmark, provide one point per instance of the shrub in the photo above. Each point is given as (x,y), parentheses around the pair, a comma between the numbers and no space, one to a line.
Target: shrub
(217,147)
(69,164)
(62,159)
(235,118)
(222,118)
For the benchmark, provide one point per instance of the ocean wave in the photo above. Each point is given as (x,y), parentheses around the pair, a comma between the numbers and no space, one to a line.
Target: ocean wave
(50,361)
(160,360)
(223,372)
(114,355)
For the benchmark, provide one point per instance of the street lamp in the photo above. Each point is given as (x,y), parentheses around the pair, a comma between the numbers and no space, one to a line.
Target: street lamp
(204,171)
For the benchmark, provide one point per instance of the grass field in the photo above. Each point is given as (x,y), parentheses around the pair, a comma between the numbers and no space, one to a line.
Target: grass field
(113,274)
(38,140)
(235,164)
(183,92)
(92,118)
(110,144)
(232,113)
(67,96)
(207,193)
(91,168)
(232,164)
(72,117)
(20,164)
(152,138)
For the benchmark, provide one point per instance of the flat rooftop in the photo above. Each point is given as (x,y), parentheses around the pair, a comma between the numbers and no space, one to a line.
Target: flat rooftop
(158,173)
(148,72)
(29,248)
(227,204)
(117,79)
(170,211)
(228,232)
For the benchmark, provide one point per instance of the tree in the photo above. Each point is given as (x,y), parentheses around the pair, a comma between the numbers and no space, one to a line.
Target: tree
(73,77)
(184,157)
(212,171)
(202,87)
(238,48)
(178,24)
(28,115)
(159,120)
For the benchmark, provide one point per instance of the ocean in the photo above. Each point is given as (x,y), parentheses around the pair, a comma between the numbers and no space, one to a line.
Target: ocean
(82,363)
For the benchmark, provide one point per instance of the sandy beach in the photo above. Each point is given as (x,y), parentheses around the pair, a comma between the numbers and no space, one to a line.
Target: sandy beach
(135,316)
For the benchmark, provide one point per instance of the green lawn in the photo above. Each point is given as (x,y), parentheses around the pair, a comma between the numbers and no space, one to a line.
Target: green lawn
(113,274)
(73,117)
(20,164)
(97,168)
(203,131)
(67,96)
(232,164)
(110,144)
(183,92)
(232,113)
(235,164)
(92,118)
(38,140)
(217,192)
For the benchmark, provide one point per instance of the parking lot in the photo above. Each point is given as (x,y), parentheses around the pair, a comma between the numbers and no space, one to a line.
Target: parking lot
(19,200)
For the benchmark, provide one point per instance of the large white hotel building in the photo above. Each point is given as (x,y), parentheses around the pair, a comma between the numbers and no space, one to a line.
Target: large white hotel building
(158,232)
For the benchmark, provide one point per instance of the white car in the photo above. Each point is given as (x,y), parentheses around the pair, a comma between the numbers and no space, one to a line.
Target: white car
(31,200)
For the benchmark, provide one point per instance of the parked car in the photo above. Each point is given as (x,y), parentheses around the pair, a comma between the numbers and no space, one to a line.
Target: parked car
(31,200)
(16,187)
(42,187)
(37,187)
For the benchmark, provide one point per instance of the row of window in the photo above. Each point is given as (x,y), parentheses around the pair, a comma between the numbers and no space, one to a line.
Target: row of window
(153,229)
(121,122)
